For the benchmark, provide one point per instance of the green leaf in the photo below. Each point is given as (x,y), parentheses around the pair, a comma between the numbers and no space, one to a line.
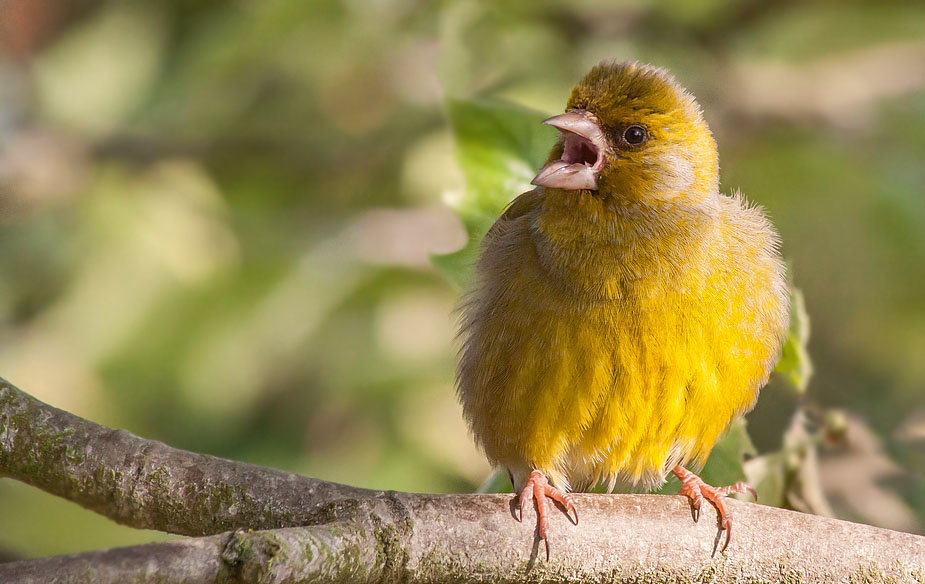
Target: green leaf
(795,364)
(499,147)
(724,467)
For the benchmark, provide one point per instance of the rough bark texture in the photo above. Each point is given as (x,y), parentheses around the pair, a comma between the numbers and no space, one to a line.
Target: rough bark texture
(356,535)
(329,553)
(473,538)
(147,484)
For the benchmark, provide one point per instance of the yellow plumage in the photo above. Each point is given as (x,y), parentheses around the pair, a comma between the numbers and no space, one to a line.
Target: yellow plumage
(614,332)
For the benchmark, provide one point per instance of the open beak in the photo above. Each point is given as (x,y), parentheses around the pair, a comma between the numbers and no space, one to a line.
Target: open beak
(582,154)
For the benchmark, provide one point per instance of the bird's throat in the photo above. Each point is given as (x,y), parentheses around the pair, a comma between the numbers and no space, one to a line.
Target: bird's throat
(593,244)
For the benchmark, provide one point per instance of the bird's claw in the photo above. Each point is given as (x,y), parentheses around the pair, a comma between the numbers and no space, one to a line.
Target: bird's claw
(696,490)
(692,492)
(571,510)
(539,490)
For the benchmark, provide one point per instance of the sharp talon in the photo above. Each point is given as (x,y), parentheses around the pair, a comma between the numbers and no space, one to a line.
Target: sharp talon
(696,501)
(728,537)
(546,541)
(568,506)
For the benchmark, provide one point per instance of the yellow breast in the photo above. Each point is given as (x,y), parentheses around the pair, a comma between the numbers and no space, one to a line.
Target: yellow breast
(615,351)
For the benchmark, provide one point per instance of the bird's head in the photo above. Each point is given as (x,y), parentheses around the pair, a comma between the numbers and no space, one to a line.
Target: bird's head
(631,133)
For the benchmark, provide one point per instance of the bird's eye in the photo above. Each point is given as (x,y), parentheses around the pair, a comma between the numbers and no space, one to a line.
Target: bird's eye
(635,135)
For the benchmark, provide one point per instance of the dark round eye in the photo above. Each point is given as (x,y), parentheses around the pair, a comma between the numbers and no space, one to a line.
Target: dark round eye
(635,135)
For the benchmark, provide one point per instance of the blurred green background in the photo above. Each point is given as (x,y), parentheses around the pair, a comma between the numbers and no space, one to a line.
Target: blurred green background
(217,221)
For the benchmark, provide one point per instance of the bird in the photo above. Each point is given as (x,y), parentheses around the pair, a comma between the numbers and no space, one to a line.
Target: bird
(624,312)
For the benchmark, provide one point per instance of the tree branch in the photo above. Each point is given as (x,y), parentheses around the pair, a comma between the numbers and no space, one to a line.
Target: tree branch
(147,484)
(473,538)
(331,553)
(352,534)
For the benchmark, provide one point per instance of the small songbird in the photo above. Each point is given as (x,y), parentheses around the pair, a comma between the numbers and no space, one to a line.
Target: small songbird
(624,312)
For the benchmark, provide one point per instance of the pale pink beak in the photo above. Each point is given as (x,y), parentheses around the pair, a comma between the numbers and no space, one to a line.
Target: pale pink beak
(582,156)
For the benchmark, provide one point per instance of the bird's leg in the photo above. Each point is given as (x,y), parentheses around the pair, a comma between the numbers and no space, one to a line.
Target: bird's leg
(693,487)
(539,490)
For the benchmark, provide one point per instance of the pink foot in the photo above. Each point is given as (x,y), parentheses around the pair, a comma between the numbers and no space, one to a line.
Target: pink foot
(538,489)
(696,491)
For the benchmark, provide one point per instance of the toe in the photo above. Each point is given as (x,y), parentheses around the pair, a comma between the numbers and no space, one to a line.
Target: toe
(739,487)
(562,499)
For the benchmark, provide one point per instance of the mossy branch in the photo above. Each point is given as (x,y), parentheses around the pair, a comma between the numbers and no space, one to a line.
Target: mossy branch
(323,532)
(147,484)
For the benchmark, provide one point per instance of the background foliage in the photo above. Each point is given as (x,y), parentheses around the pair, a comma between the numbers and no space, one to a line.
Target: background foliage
(217,222)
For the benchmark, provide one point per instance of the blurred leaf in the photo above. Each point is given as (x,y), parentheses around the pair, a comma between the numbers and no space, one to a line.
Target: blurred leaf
(499,147)
(861,480)
(767,475)
(725,465)
(498,482)
(795,364)
(803,488)
(789,477)
(99,73)
(810,30)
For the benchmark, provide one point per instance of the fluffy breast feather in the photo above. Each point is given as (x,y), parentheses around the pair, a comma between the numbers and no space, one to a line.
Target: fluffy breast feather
(616,351)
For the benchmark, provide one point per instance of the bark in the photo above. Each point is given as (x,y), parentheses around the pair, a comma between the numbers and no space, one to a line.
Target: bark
(147,484)
(473,538)
(355,535)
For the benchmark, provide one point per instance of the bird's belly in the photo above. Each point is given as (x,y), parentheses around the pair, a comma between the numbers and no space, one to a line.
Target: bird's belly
(607,392)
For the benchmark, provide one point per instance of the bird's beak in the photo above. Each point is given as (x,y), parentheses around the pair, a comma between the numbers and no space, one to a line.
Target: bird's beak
(582,153)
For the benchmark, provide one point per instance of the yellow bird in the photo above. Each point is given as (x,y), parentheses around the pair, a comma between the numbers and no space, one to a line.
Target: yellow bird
(625,311)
